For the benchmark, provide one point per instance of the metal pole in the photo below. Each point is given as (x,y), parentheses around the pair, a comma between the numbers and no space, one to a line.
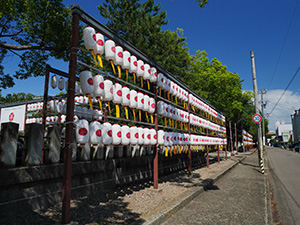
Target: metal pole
(207,156)
(66,192)
(189,146)
(231,144)
(260,153)
(155,160)
(262,92)
(218,146)
(236,143)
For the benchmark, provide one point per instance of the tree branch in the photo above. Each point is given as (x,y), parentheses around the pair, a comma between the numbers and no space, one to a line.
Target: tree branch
(29,47)
(11,35)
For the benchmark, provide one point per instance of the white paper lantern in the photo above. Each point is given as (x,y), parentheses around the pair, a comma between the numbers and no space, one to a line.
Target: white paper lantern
(108,90)
(99,47)
(147,71)
(160,80)
(161,108)
(117,93)
(125,135)
(140,68)
(167,109)
(160,137)
(95,133)
(106,133)
(153,136)
(167,84)
(134,135)
(34,107)
(86,82)
(133,64)
(151,105)
(63,118)
(167,139)
(147,136)
(54,81)
(153,75)
(61,84)
(116,134)
(98,86)
(51,106)
(110,50)
(133,99)
(125,96)
(59,107)
(146,103)
(140,100)
(89,41)
(82,131)
(141,135)
(85,100)
(126,60)
(118,60)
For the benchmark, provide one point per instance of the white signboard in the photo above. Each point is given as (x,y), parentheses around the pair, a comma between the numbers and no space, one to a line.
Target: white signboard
(14,114)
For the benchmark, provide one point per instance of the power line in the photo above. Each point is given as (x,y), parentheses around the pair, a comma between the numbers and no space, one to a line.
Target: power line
(284,41)
(285,90)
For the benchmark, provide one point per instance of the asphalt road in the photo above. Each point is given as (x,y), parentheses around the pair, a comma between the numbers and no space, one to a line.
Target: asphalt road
(239,197)
(284,170)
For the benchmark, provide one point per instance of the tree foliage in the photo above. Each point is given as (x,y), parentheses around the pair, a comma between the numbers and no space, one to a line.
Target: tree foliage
(212,81)
(16,97)
(141,25)
(35,30)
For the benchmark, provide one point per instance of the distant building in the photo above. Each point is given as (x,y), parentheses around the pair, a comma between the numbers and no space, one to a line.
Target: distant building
(296,125)
(284,132)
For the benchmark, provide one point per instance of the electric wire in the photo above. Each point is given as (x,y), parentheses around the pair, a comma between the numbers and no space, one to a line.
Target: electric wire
(285,90)
(283,45)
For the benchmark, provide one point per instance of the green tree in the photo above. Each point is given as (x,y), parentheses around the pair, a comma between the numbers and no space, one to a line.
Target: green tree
(141,25)
(17,97)
(35,30)
(212,81)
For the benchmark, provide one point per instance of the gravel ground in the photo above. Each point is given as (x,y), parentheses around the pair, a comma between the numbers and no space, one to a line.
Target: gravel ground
(126,205)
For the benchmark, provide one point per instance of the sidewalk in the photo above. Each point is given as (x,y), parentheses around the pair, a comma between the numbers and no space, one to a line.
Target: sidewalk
(140,204)
(240,197)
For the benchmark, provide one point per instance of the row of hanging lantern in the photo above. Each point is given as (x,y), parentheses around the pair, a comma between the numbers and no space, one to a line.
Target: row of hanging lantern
(247,139)
(106,91)
(95,43)
(115,54)
(206,140)
(173,142)
(60,107)
(200,122)
(173,113)
(49,119)
(195,102)
(60,83)
(35,106)
(171,88)
(96,133)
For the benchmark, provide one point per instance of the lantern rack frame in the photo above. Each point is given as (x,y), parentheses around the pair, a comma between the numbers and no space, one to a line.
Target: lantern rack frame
(79,15)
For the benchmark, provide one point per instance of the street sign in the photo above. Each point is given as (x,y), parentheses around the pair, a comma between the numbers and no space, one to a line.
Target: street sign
(256,118)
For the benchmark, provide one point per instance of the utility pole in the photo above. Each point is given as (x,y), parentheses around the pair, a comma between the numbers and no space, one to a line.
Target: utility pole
(231,145)
(262,93)
(236,143)
(260,147)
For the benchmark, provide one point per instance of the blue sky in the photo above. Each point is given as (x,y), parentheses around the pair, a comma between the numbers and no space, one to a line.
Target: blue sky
(227,30)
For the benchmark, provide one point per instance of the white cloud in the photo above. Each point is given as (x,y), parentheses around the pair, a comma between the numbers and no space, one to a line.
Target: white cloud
(289,102)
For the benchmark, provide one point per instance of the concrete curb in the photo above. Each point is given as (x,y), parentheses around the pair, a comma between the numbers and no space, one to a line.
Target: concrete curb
(161,214)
